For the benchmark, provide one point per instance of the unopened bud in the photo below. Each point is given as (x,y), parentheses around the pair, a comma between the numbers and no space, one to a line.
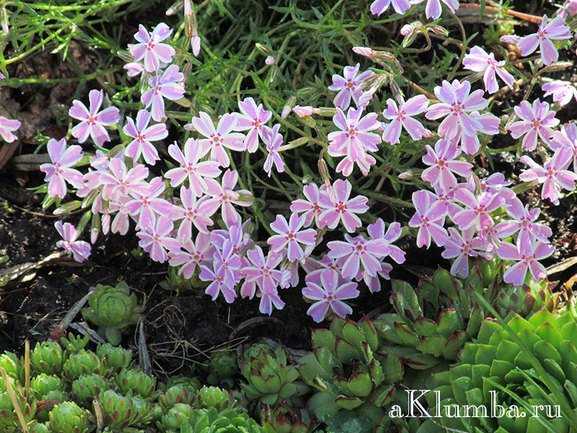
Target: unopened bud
(195,44)
(187,8)
(288,107)
(324,172)
(68,207)
(263,49)
(406,175)
(305,111)
(439,30)
(367,52)
(270,60)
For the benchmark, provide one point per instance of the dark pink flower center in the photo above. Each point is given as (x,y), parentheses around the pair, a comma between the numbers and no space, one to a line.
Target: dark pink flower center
(457,109)
(291,236)
(341,207)
(350,84)
(352,132)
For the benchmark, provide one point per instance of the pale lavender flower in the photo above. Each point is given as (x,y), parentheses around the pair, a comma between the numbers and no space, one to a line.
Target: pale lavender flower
(169,85)
(133,69)
(147,202)
(549,31)
(273,141)
(524,223)
(461,246)
(354,140)
(155,239)
(433,8)
(192,254)
(193,212)
(566,139)
(218,139)
(311,207)
(261,272)
(142,136)
(443,165)
(191,167)
(537,121)
(119,182)
(402,117)
(562,91)
(226,197)
(462,120)
(359,254)
(554,174)
(330,294)
(429,218)
(291,238)
(59,171)
(7,129)
(305,111)
(478,60)
(478,209)
(80,250)
(150,47)
(252,118)
(93,121)
(378,7)
(377,231)
(527,256)
(224,273)
(338,207)
(349,86)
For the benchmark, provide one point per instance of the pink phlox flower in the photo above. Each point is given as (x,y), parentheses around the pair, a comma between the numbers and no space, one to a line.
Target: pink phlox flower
(443,165)
(224,274)
(192,254)
(554,174)
(524,223)
(496,183)
(8,127)
(359,254)
(378,7)
(433,9)
(315,267)
(290,274)
(562,91)
(460,110)
(156,239)
(169,85)
(566,139)
(142,136)
(80,250)
(402,117)
(225,195)
(354,140)
(133,69)
(147,203)
(119,182)
(273,141)
(191,167)
(310,206)
(150,47)
(429,218)
(537,121)
(121,221)
(339,207)
(478,208)
(527,255)
(349,86)
(93,121)
(238,235)
(193,212)
(290,239)
(549,31)
(445,200)
(478,60)
(262,273)
(376,231)
(59,171)
(218,139)
(460,246)
(330,295)
(252,118)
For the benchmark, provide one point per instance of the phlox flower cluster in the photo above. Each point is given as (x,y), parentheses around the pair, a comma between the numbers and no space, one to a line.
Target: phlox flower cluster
(192,212)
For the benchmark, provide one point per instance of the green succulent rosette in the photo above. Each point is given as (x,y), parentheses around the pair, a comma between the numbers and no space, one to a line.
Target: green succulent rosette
(521,365)
(112,309)
(68,417)
(88,386)
(269,376)
(47,357)
(82,363)
(113,357)
(222,369)
(136,382)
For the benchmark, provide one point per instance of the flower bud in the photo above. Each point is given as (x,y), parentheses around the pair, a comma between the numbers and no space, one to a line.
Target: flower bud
(305,111)
(367,52)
